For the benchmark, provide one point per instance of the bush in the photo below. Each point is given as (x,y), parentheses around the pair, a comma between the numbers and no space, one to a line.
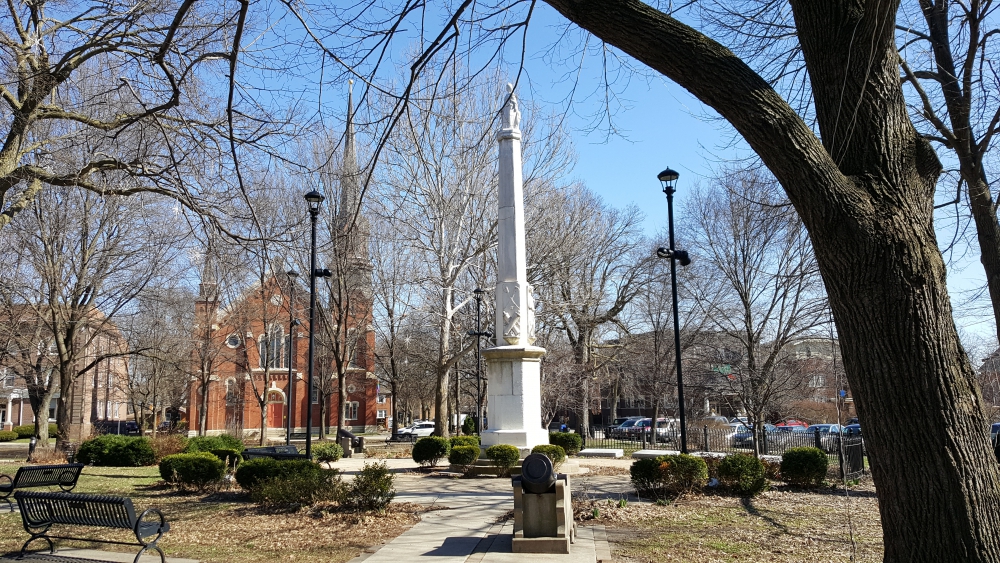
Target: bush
(504,457)
(430,450)
(371,489)
(253,472)
(571,443)
(112,450)
(327,452)
(469,426)
(297,489)
(7,435)
(231,458)
(669,474)
(804,467)
(465,441)
(28,430)
(168,444)
(197,469)
(555,453)
(743,473)
(209,443)
(463,455)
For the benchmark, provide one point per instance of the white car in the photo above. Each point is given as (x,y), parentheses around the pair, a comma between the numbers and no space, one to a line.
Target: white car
(417,430)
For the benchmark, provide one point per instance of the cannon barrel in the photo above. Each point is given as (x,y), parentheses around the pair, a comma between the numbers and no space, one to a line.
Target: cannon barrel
(537,474)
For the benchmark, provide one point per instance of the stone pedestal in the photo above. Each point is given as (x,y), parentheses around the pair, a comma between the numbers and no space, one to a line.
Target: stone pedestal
(515,406)
(543,523)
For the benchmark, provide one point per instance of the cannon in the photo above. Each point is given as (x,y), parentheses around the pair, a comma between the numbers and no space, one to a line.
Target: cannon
(543,510)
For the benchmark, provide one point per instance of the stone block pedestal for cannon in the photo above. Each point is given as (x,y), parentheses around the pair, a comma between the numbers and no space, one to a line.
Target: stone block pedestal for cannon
(543,508)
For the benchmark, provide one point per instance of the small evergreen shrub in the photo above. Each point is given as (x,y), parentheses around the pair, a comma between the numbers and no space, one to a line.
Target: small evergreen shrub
(327,452)
(254,471)
(430,450)
(669,474)
(198,469)
(463,456)
(571,443)
(209,443)
(113,450)
(7,435)
(504,457)
(465,441)
(469,426)
(743,474)
(298,488)
(28,430)
(230,457)
(805,467)
(167,444)
(645,475)
(371,490)
(555,453)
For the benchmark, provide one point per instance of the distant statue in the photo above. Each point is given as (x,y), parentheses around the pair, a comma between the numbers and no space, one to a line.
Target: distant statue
(511,115)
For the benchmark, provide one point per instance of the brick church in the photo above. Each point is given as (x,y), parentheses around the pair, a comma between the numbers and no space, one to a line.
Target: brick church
(250,368)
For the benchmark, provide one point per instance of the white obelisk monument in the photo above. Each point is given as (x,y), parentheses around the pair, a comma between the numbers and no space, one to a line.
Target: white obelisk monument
(513,366)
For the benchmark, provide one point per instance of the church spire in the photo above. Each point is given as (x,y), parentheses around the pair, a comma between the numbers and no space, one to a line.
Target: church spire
(350,192)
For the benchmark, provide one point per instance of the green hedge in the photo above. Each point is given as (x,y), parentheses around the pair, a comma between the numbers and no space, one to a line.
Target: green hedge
(430,450)
(555,453)
(196,469)
(209,443)
(327,452)
(288,482)
(7,435)
(28,430)
(743,474)
(805,467)
(504,457)
(254,471)
(465,441)
(463,455)
(113,450)
(571,443)
(669,474)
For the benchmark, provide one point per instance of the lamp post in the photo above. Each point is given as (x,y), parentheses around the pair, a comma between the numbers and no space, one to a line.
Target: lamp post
(478,333)
(292,323)
(314,198)
(668,179)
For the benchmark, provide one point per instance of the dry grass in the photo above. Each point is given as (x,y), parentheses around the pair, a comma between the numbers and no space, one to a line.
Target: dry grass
(224,526)
(778,526)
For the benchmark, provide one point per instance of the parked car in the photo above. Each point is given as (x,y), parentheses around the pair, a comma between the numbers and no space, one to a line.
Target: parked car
(829,435)
(127,427)
(664,429)
(417,430)
(995,431)
(855,429)
(621,432)
(744,438)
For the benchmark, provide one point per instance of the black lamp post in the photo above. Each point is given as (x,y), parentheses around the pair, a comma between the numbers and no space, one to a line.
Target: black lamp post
(292,323)
(314,198)
(479,374)
(668,179)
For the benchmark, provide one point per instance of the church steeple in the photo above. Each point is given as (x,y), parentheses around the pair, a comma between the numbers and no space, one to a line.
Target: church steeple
(350,213)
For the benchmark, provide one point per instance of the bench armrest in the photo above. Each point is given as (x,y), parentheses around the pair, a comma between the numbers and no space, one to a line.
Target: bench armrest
(160,529)
(9,485)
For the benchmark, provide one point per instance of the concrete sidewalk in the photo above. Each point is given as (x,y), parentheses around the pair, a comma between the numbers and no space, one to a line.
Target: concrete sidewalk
(469,525)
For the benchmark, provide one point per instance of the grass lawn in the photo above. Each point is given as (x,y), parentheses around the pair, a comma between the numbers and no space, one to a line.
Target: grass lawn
(224,526)
(780,526)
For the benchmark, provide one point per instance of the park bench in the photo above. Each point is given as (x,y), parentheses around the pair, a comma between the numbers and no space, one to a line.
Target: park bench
(40,511)
(273,452)
(64,476)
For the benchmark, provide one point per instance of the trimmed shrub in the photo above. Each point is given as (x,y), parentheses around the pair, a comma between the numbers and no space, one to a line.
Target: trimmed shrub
(327,452)
(198,469)
(743,474)
(430,450)
(669,474)
(463,455)
(168,444)
(469,426)
(7,435)
(28,430)
(504,457)
(805,467)
(298,487)
(209,443)
(231,458)
(371,489)
(112,450)
(465,441)
(571,443)
(253,472)
(555,453)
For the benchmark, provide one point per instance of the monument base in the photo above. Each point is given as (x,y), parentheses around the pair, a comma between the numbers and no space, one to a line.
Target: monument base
(515,397)
(523,439)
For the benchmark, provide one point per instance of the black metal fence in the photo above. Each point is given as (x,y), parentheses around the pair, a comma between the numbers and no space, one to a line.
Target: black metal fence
(846,452)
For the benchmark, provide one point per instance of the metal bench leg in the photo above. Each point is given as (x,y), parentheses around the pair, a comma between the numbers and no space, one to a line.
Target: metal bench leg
(163,558)
(52,546)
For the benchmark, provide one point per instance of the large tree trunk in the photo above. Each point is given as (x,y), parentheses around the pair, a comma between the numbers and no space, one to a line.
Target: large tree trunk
(866,196)
(203,404)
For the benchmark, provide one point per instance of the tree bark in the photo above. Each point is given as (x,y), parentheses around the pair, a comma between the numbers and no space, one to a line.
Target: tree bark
(866,196)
